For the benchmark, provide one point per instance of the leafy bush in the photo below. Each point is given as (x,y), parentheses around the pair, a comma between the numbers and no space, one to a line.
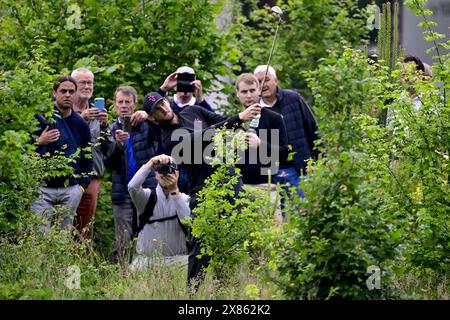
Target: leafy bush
(421,145)
(36,265)
(225,222)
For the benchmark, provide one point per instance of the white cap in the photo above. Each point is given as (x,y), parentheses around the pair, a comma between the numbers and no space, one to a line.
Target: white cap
(185,70)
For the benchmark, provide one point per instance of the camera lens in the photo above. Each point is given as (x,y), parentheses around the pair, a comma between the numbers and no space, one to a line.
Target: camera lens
(165,169)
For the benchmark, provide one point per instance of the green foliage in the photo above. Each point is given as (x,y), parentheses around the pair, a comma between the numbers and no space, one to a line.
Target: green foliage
(104,236)
(24,91)
(341,229)
(224,223)
(308,30)
(422,166)
(124,42)
(421,153)
(388,46)
(440,69)
(380,196)
(35,265)
(389,51)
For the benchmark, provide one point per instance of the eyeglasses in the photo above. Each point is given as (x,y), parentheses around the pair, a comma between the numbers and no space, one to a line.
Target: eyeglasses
(83,83)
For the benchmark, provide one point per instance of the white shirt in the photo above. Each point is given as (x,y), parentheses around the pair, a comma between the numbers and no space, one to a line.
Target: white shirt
(182,105)
(164,237)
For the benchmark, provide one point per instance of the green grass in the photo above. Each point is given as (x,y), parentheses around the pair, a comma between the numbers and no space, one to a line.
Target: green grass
(34,265)
(425,287)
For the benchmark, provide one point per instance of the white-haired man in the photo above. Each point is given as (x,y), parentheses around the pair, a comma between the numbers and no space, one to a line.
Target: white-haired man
(189,90)
(299,120)
(98,126)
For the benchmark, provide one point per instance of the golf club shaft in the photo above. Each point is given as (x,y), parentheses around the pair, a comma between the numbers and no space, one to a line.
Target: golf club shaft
(255,122)
(270,58)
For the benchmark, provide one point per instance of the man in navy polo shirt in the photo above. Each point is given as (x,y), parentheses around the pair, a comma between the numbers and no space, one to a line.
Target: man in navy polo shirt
(66,133)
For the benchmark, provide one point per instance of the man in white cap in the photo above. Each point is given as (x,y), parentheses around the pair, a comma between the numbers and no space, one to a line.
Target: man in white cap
(189,90)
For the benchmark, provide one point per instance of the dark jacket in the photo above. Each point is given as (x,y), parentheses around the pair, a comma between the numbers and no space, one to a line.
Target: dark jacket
(146,143)
(74,133)
(300,125)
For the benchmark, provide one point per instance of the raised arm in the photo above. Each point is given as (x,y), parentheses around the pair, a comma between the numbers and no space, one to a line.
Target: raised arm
(139,195)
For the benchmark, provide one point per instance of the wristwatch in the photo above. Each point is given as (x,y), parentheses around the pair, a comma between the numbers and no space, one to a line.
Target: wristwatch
(175,193)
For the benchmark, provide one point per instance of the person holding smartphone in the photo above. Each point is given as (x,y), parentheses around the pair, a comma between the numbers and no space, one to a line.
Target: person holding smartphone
(189,90)
(134,145)
(97,118)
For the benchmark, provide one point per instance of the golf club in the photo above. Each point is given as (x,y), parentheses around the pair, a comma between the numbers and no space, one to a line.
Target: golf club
(255,122)
(278,11)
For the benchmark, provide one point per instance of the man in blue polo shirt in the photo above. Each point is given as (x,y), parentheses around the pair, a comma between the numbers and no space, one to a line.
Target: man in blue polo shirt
(133,147)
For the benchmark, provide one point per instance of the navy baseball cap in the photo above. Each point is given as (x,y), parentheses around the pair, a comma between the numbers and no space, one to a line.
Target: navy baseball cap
(151,100)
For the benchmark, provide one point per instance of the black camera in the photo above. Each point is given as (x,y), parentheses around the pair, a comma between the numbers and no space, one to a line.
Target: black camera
(184,82)
(166,168)
(127,123)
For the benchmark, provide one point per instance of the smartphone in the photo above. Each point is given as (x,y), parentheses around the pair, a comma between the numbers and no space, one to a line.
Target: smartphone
(100,104)
(184,82)
(127,123)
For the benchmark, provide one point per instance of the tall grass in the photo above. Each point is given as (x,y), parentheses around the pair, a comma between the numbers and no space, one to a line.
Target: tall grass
(34,265)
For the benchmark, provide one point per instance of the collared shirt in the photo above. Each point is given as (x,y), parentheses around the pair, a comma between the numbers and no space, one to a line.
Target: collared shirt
(182,105)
